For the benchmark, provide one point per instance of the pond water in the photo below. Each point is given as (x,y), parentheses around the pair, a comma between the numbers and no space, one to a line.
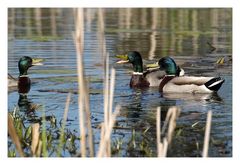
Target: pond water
(183,34)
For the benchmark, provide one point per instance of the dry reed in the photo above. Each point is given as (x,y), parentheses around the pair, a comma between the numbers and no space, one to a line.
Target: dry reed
(170,120)
(107,133)
(60,145)
(44,135)
(172,123)
(39,149)
(83,99)
(207,134)
(106,101)
(13,134)
(89,124)
(79,43)
(35,138)
(158,127)
(108,93)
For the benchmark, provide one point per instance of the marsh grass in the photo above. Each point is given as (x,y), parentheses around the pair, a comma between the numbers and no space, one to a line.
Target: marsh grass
(13,134)
(37,139)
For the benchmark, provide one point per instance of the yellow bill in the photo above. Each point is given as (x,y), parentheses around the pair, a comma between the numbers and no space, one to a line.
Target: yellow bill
(124,59)
(37,61)
(153,66)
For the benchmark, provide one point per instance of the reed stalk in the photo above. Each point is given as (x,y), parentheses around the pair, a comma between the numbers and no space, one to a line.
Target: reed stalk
(166,121)
(165,147)
(107,133)
(84,109)
(79,43)
(170,121)
(101,34)
(39,149)
(112,84)
(60,145)
(35,138)
(106,101)
(158,127)
(172,124)
(108,93)
(89,124)
(13,134)
(44,135)
(207,134)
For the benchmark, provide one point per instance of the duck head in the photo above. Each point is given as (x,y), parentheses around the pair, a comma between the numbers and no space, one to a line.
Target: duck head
(134,58)
(26,62)
(168,65)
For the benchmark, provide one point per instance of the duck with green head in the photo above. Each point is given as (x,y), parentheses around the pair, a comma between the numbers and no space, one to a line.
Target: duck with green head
(173,83)
(139,77)
(23,82)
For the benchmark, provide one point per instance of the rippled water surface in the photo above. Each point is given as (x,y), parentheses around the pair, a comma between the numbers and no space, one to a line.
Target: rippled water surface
(180,33)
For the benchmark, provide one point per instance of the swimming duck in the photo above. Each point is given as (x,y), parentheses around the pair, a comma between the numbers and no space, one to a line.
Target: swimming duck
(141,79)
(23,82)
(172,83)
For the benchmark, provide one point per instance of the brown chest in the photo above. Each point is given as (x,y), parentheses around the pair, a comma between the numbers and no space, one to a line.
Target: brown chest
(139,81)
(24,84)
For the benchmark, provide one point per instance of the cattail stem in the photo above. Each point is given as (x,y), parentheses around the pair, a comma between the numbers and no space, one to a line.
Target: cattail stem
(207,134)
(79,43)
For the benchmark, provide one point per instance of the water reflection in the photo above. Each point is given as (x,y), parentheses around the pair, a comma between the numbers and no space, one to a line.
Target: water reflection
(195,97)
(178,33)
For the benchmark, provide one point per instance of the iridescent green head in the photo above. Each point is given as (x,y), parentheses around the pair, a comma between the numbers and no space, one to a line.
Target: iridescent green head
(134,58)
(168,65)
(26,62)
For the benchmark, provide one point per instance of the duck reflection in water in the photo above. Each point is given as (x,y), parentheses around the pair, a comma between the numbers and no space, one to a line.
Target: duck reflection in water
(23,83)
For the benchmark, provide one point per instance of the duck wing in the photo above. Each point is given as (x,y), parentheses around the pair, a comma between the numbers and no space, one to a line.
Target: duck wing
(12,82)
(185,80)
(188,84)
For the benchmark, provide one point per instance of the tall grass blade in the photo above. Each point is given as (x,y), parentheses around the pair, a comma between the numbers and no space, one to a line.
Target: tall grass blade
(89,124)
(158,128)
(79,43)
(44,135)
(13,134)
(107,133)
(61,140)
(207,134)
(35,138)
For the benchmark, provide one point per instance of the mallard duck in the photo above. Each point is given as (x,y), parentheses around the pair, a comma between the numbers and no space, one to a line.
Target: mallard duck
(172,83)
(140,79)
(23,82)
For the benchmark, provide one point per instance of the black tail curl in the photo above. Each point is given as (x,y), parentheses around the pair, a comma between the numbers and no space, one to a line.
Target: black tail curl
(214,84)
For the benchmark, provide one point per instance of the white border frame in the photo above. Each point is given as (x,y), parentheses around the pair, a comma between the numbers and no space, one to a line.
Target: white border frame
(234,4)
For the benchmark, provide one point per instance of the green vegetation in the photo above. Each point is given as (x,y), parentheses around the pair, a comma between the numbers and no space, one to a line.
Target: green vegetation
(40,137)
(44,38)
